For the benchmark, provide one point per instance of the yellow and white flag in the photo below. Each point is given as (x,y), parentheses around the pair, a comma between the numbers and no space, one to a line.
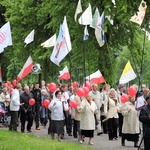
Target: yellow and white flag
(128,74)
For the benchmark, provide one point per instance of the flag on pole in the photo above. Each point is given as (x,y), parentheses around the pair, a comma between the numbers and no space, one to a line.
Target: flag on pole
(0,74)
(95,18)
(139,16)
(64,74)
(63,44)
(78,10)
(5,36)
(29,38)
(99,33)
(128,74)
(26,69)
(86,17)
(96,77)
(50,42)
(86,34)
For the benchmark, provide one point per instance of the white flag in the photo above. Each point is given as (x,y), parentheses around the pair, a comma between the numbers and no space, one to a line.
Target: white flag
(29,38)
(50,42)
(63,44)
(78,10)
(86,34)
(86,17)
(5,36)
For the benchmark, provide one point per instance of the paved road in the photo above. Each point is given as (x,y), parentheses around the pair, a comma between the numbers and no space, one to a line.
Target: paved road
(100,142)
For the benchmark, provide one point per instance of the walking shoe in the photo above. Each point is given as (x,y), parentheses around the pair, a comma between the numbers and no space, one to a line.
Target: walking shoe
(37,128)
(99,133)
(90,143)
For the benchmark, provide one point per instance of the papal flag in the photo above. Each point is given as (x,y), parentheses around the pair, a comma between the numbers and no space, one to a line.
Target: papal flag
(29,38)
(96,77)
(86,17)
(64,74)
(63,44)
(50,42)
(78,10)
(128,74)
(5,36)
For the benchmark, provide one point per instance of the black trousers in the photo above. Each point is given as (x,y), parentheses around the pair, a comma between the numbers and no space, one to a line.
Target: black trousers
(28,116)
(76,128)
(37,114)
(104,124)
(14,120)
(69,124)
(120,123)
(112,127)
(146,143)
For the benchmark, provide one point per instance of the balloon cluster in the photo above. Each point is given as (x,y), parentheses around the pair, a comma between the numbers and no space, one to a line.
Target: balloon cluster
(85,90)
(131,92)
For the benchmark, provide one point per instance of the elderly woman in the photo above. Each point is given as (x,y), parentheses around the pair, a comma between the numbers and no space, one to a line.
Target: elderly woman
(5,97)
(87,124)
(111,109)
(57,108)
(130,129)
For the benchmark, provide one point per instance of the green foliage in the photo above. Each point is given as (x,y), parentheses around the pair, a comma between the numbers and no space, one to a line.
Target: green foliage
(46,16)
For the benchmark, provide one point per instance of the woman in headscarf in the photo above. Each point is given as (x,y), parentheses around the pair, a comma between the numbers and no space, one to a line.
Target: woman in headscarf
(130,129)
(57,108)
(111,109)
(87,124)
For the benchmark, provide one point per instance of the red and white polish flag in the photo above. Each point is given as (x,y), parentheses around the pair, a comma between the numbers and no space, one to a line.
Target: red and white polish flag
(26,69)
(64,74)
(0,74)
(96,77)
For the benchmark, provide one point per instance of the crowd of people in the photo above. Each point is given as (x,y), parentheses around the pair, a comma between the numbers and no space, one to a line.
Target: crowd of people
(101,110)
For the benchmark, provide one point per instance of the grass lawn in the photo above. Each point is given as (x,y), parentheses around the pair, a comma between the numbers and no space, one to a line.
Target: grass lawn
(10,140)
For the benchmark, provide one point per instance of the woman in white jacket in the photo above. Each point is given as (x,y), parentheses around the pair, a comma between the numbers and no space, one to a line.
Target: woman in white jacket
(87,123)
(57,108)
(111,109)
(130,128)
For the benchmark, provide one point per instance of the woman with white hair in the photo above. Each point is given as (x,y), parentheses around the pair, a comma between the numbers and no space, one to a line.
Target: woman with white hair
(111,109)
(87,124)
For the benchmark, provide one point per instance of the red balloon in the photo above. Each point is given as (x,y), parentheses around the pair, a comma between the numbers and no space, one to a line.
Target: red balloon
(52,87)
(75,85)
(124,98)
(46,103)
(10,90)
(86,90)
(88,84)
(80,92)
(8,83)
(132,91)
(73,104)
(31,101)
(11,86)
(14,82)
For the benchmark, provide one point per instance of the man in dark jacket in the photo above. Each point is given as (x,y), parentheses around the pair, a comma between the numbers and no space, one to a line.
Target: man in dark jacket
(26,109)
(144,117)
(37,96)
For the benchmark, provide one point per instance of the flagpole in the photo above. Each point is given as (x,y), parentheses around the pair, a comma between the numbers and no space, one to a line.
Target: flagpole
(142,60)
(110,59)
(69,60)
